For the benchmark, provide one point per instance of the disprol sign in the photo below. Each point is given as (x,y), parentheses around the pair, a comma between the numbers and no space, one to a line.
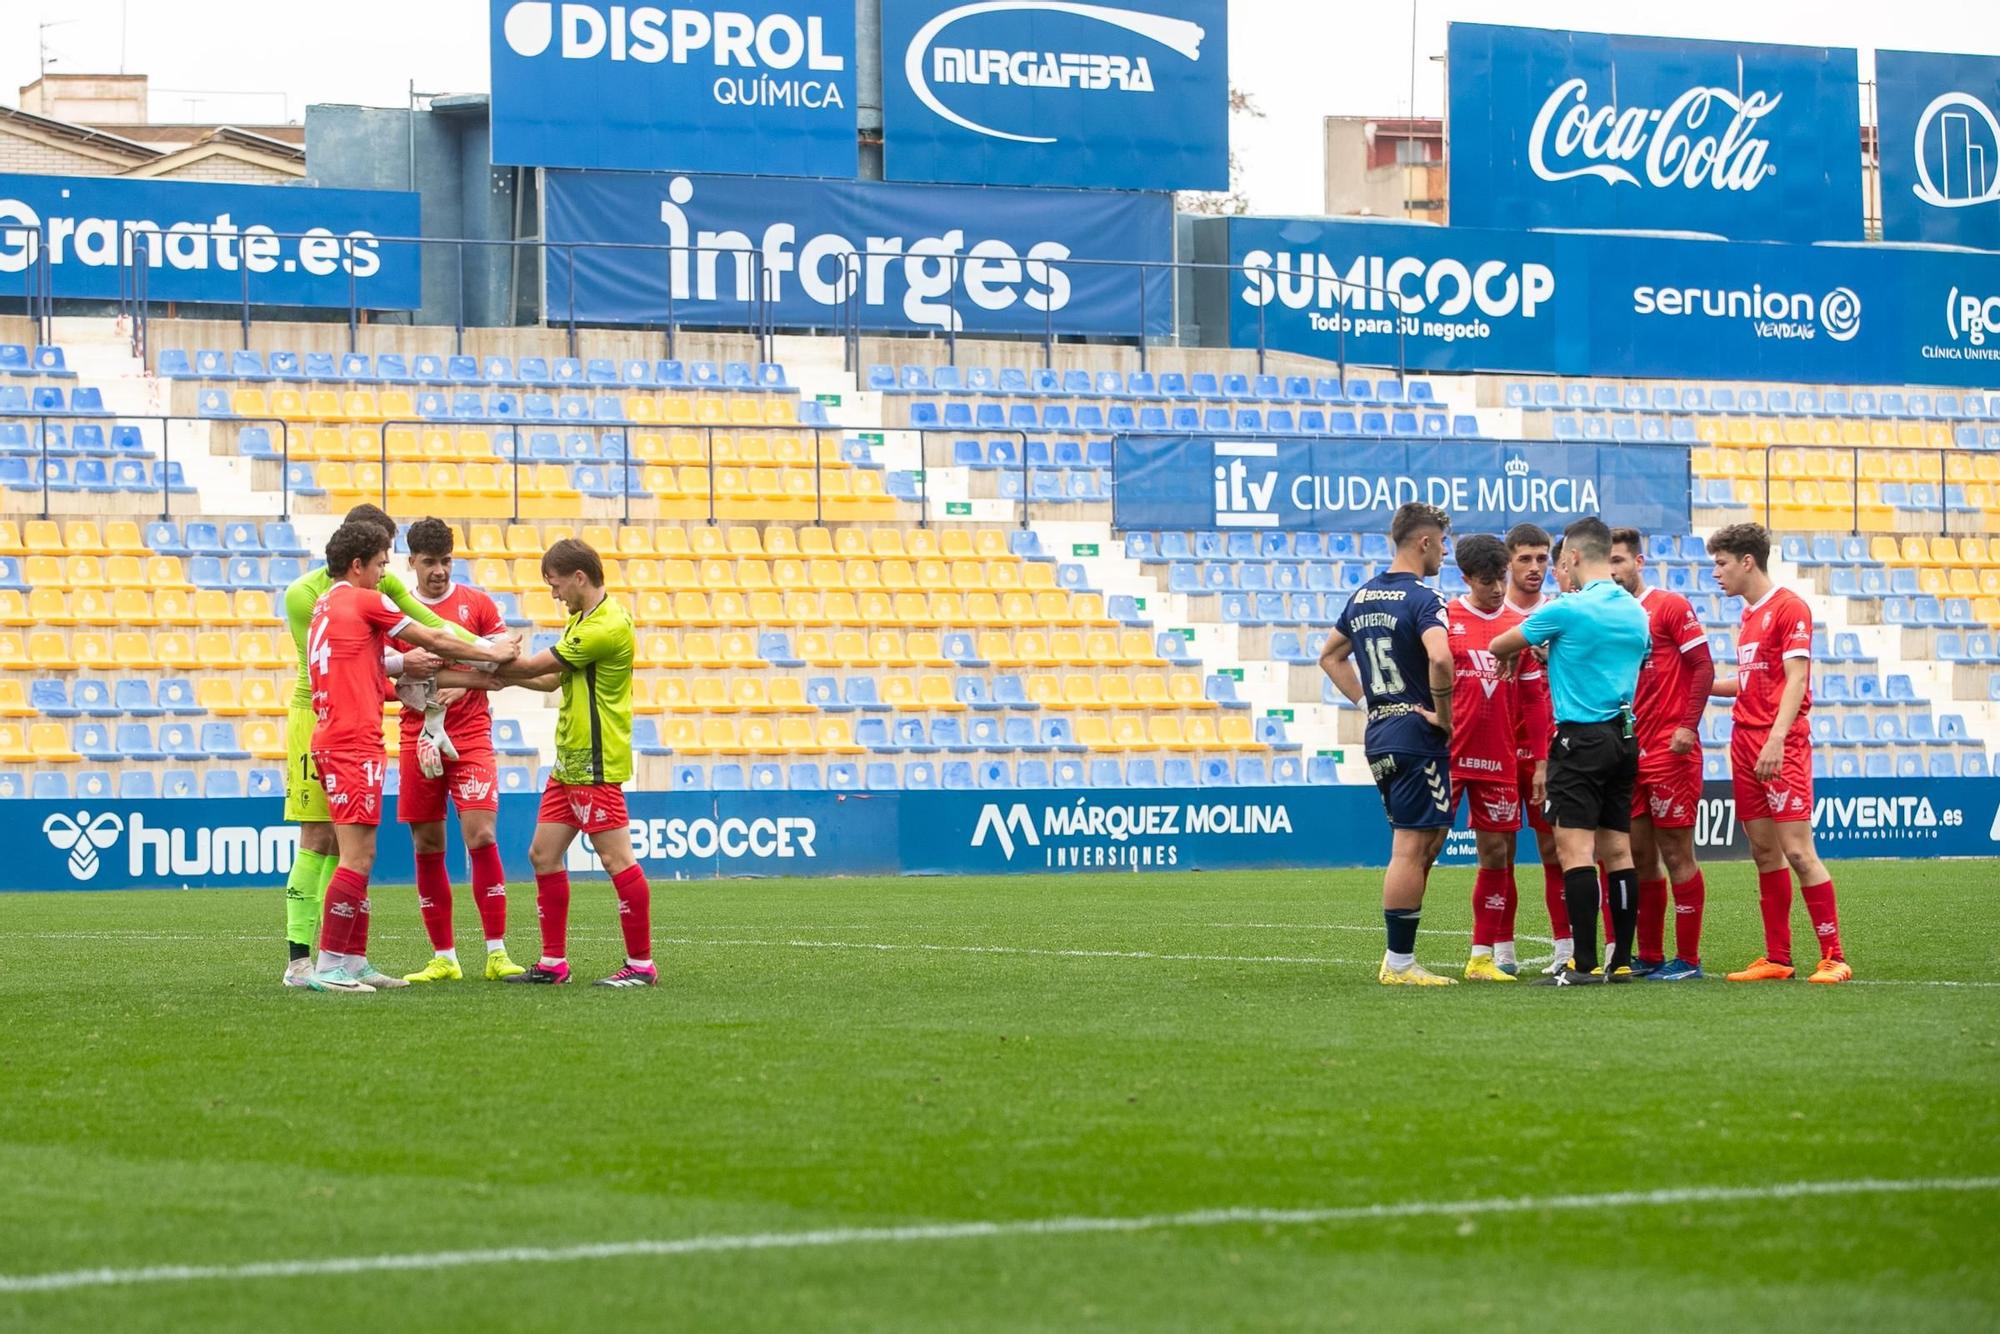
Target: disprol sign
(1549,128)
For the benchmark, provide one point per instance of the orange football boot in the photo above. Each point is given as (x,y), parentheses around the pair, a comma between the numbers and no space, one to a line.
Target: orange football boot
(1832,970)
(1763,970)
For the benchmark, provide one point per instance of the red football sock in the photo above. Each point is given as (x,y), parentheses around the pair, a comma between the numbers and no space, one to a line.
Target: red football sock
(1552,893)
(552,906)
(1488,902)
(344,920)
(1824,916)
(1774,899)
(1653,920)
(635,912)
(434,899)
(1689,899)
(1513,895)
(489,890)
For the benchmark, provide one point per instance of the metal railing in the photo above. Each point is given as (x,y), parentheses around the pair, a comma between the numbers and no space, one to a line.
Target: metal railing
(1854,480)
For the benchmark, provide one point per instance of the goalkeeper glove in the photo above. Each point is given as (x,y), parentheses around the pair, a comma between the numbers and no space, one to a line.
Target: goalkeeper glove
(434,745)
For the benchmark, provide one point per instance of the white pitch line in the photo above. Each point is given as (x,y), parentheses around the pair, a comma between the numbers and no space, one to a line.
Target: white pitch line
(1348,926)
(989,1229)
(884,947)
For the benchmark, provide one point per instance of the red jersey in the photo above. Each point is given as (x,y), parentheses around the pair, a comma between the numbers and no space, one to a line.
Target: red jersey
(1537,711)
(1485,709)
(469,721)
(350,628)
(1777,627)
(1660,705)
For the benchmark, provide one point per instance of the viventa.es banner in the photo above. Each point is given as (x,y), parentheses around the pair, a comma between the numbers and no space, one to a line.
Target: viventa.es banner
(1940,123)
(1550,128)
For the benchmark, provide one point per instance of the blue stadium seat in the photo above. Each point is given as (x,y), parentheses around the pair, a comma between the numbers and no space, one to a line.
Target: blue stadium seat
(137,784)
(181,784)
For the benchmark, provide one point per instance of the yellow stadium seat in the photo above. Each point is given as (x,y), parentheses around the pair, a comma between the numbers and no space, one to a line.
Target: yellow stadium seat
(886,647)
(210,648)
(252,606)
(10,538)
(263,739)
(211,607)
(14,654)
(43,571)
(259,651)
(46,649)
(85,572)
(836,737)
(132,650)
(95,651)
(14,744)
(1237,733)
(261,697)
(787,694)
(1185,689)
(14,699)
(48,743)
(218,695)
(1094,731)
(1116,691)
(82,539)
(49,606)
(899,692)
(14,608)
(1165,732)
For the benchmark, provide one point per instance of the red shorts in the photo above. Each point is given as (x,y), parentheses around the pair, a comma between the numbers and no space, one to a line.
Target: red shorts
(1788,797)
(591,807)
(1669,788)
(1536,820)
(471,781)
(1491,806)
(353,784)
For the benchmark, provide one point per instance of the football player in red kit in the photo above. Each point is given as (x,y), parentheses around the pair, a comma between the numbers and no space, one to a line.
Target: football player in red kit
(462,772)
(1770,754)
(1485,742)
(1674,682)
(1528,554)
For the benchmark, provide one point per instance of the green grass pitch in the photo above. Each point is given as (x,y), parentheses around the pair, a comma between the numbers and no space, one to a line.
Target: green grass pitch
(847,1056)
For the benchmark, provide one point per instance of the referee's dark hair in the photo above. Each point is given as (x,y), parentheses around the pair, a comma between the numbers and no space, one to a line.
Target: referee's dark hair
(1590,538)
(571,556)
(355,540)
(1481,556)
(1413,518)
(1743,539)
(1527,535)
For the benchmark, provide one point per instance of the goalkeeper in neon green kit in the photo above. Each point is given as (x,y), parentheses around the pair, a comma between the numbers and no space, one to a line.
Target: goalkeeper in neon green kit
(305,799)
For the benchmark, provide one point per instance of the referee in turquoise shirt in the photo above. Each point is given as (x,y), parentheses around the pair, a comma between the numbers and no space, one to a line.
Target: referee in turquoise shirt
(1595,639)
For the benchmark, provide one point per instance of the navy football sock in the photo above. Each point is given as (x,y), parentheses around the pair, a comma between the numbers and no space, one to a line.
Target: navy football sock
(1624,893)
(1401,924)
(1580,894)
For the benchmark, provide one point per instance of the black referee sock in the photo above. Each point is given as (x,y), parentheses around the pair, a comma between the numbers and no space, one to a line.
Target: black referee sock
(1624,890)
(1580,895)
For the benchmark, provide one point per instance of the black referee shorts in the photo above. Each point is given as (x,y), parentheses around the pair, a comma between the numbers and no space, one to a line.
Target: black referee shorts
(1593,768)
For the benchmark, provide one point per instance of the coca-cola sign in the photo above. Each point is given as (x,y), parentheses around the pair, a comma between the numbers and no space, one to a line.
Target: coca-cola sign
(1705,138)
(1589,130)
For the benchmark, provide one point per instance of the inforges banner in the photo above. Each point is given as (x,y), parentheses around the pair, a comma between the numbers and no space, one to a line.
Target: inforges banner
(1201,482)
(919,256)
(1462,299)
(1940,136)
(1127,96)
(282,245)
(763,86)
(1580,129)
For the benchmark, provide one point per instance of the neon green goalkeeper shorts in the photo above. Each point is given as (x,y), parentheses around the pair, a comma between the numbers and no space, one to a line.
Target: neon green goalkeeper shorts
(305,799)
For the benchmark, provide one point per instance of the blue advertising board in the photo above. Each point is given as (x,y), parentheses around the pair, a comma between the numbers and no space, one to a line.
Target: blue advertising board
(1133,96)
(1205,482)
(286,245)
(1549,128)
(1939,120)
(1463,299)
(697,835)
(765,86)
(915,256)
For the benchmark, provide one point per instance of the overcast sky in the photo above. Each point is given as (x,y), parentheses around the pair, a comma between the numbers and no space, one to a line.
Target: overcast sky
(1300,59)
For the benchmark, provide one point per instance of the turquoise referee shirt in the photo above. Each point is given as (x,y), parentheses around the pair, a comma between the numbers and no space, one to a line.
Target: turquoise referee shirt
(1596,639)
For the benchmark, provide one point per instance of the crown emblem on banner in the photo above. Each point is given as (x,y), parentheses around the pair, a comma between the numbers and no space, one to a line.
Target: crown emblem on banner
(1517,466)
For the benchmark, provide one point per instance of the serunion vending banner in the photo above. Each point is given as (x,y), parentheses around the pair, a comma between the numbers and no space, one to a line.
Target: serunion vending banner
(277,245)
(1939,118)
(1465,299)
(1198,482)
(1132,96)
(766,86)
(1550,128)
(897,256)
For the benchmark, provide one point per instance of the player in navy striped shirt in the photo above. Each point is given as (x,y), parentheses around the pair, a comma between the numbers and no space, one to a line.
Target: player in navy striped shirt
(1396,628)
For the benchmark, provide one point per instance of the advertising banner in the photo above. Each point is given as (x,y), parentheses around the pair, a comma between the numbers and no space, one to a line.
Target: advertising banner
(1548,128)
(697,835)
(1461,299)
(766,86)
(1133,96)
(911,256)
(289,245)
(1204,482)
(1939,117)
